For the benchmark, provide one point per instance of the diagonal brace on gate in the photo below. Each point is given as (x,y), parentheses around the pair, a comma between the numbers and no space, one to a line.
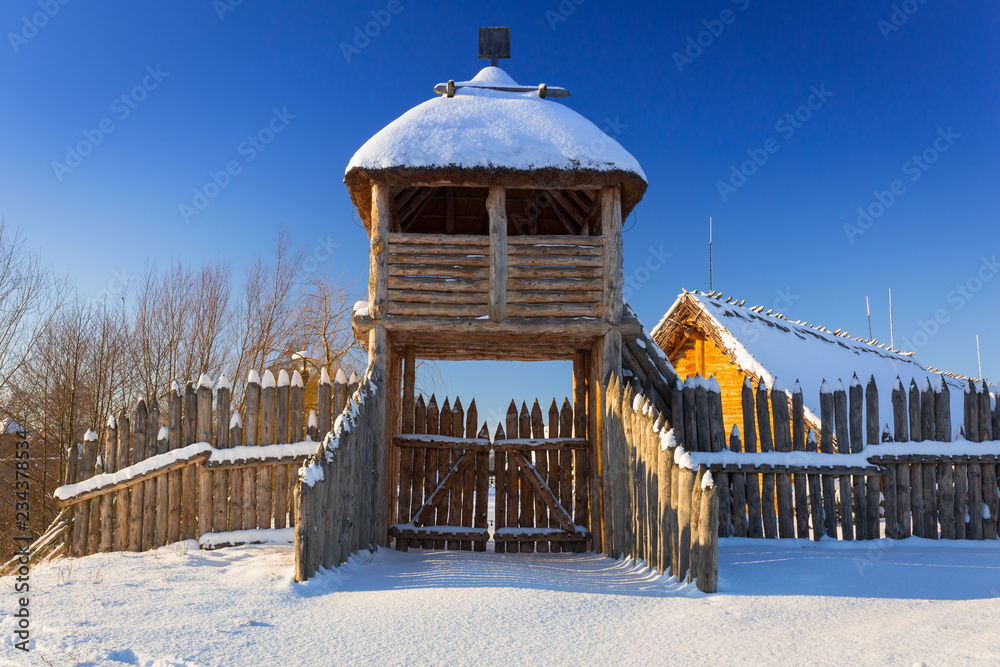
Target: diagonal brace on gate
(425,512)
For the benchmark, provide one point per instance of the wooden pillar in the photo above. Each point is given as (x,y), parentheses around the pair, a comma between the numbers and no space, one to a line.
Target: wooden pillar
(393,414)
(378,278)
(378,362)
(611,226)
(496,206)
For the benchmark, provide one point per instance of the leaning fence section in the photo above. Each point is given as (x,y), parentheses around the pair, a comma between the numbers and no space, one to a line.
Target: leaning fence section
(339,506)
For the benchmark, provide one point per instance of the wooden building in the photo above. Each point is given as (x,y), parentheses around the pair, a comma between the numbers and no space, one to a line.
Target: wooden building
(714,336)
(494,215)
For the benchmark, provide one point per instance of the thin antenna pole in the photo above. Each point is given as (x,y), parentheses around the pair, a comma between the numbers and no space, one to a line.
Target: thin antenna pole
(710,287)
(979,358)
(868,307)
(892,342)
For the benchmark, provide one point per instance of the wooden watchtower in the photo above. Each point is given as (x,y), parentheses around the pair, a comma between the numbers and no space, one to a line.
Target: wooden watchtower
(495,220)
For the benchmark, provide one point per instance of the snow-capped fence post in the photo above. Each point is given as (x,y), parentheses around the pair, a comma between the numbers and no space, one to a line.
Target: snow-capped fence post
(694,562)
(782,443)
(826,447)
(684,495)
(916,469)
(815,492)
(991,497)
(859,482)
(928,501)
(189,531)
(122,496)
(767,490)
(81,517)
(162,493)
(902,470)
(844,447)
(800,481)
(110,459)
(250,430)
(138,491)
(265,490)
(755,527)
(296,426)
(222,479)
(236,477)
(175,438)
(708,537)
(206,478)
(975,471)
(281,435)
(873,438)
(739,482)
(150,488)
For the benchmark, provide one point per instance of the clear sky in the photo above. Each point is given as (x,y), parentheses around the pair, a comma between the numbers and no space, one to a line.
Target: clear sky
(887,107)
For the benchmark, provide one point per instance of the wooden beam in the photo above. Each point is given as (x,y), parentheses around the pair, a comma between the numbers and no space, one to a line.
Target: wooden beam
(611,227)
(496,206)
(449,209)
(378,280)
(540,326)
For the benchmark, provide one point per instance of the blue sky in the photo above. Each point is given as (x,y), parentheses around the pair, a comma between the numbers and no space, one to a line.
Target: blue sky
(212,74)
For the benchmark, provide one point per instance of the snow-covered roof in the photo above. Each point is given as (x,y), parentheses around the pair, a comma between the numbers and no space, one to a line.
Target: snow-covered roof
(773,348)
(481,133)
(480,127)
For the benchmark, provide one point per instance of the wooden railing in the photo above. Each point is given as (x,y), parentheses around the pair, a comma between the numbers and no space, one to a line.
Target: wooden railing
(438,275)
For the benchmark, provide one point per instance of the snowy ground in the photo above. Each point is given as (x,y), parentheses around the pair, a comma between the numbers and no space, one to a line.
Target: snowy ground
(793,602)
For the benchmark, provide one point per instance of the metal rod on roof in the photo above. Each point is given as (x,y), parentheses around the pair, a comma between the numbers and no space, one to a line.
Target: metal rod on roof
(979,358)
(868,307)
(892,342)
(710,288)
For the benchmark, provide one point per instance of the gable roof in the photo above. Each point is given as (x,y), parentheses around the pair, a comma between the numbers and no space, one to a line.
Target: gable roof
(770,347)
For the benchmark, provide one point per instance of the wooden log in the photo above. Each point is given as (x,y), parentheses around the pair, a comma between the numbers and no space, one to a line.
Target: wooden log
(961,500)
(268,419)
(496,209)
(527,517)
(110,461)
(419,461)
(188,494)
(686,484)
(975,530)
(844,447)
(455,503)
(552,310)
(559,475)
(902,471)
(236,512)
(767,491)
(991,497)
(296,427)
(826,406)
(280,473)
(445,459)
(708,541)
(611,230)
(858,483)
(251,430)
(500,497)
(381,223)
(82,525)
(206,481)
(782,443)
(800,480)
(946,498)
(175,438)
(872,425)
(406,494)
(664,478)
(222,479)
(482,485)
(580,459)
(122,502)
(431,463)
(137,495)
(985,414)
(472,487)
(739,481)
(755,528)
(696,495)
(162,520)
(626,416)
(815,491)
(596,399)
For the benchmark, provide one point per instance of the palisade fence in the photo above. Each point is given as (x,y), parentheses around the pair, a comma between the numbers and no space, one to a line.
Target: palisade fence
(340,494)
(198,470)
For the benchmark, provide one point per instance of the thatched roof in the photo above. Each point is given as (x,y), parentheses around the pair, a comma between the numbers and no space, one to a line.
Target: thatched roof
(770,347)
(483,136)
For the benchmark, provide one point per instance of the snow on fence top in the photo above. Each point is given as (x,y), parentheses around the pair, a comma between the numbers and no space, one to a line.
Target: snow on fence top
(776,349)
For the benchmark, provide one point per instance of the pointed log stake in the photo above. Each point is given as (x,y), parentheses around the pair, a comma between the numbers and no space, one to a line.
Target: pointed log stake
(843,447)
(708,541)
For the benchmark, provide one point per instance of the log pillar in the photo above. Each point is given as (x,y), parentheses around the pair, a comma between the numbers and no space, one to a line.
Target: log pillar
(611,226)
(378,276)
(496,206)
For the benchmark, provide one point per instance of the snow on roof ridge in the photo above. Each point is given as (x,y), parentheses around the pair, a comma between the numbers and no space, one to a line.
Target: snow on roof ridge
(283,379)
